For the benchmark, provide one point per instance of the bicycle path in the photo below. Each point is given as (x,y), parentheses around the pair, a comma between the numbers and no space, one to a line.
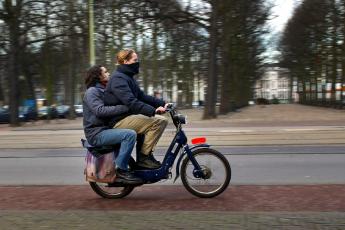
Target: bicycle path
(172,207)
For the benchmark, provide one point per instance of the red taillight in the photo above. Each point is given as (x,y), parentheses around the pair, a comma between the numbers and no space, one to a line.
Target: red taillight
(199,140)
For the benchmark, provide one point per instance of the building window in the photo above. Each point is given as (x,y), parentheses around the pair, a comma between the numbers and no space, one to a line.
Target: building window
(280,84)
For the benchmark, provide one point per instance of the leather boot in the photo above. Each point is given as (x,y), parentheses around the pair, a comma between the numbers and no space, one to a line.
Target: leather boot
(154,159)
(148,162)
(127,177)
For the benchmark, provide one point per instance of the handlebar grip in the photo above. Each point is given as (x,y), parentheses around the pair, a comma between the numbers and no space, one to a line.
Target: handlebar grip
(170,105)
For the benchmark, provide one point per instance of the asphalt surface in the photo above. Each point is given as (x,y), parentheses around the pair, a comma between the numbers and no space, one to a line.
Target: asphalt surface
(61,167)
(160,151)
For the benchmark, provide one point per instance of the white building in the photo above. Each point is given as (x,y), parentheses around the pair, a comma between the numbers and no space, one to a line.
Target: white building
(274,83)
(172,94)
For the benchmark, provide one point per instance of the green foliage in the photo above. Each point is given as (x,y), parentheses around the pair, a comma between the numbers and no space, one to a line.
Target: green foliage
(47,43)
(313,48)
(243,27)
(275,101)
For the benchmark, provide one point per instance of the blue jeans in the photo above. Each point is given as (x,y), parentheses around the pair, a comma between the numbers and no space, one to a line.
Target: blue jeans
(125,137)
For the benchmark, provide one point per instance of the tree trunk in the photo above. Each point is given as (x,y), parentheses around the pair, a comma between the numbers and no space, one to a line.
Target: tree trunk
(14,61)
(342,98)
(155,57)
(144,72)
(226,95)
(212,78)
(227,61)
(29,80)
(72,66)
(13,75)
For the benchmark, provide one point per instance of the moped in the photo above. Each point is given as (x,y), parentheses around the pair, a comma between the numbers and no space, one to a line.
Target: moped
(204,171)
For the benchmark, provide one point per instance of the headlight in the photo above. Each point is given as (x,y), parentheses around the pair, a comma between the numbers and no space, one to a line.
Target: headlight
(182,119)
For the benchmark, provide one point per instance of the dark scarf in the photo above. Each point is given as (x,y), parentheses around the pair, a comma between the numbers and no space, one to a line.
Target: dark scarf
(130,70)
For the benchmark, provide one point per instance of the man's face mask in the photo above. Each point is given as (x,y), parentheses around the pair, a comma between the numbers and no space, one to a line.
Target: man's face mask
(134,67)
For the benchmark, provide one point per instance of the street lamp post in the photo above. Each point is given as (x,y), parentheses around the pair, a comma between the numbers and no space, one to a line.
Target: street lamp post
(91,34)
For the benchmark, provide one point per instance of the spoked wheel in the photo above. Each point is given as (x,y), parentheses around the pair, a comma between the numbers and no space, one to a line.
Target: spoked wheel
(113,191)
(215,176)
(110,192)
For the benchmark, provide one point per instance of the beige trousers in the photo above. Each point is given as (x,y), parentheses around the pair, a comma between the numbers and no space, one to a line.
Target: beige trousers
(151,127)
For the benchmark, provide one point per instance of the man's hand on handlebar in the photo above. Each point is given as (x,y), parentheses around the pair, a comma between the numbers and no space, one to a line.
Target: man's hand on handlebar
(160,110)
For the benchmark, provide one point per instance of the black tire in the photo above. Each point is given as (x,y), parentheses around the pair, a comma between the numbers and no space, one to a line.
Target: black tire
(113,193)
(212,173)
(110,191)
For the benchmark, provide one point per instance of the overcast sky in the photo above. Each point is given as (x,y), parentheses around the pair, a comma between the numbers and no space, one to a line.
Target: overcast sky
(282,11)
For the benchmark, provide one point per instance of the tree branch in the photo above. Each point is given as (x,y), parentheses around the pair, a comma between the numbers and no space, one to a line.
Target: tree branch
(46,38)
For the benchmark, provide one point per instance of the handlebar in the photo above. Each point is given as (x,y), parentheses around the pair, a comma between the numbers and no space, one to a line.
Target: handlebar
(169,107)
(178,119)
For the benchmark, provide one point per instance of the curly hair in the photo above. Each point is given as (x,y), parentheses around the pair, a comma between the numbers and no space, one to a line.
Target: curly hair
(93,76)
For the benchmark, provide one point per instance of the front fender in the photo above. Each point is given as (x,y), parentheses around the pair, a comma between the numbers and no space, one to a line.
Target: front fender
(184,153)
(200,146)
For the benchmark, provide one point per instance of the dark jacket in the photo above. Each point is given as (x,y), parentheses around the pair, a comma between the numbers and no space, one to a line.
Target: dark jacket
(123,89)
(96,114)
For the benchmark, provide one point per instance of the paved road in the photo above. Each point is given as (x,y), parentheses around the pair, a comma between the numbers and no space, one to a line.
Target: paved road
(160,151)
(250,165)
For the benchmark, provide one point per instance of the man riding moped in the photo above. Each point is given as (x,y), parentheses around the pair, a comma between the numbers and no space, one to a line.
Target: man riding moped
(142,117)
(204,171)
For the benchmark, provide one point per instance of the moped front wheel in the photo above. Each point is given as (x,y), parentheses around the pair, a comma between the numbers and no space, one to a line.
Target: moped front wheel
(110,191)
(214,176)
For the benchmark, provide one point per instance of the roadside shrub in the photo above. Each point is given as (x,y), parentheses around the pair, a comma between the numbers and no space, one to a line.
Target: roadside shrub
(262,101)
(275,101)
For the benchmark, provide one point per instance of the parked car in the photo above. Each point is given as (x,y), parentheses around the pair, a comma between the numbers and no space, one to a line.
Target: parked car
(27,113)
(45,110)
(63,110)
(196,104)
(78,110)
(4,115)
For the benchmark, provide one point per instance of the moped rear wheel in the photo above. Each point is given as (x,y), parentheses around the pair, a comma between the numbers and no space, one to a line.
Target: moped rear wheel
(111,192)
(216,173)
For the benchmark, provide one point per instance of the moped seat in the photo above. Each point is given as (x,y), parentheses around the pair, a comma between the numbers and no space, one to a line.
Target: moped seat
(86,144)
(99,150)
